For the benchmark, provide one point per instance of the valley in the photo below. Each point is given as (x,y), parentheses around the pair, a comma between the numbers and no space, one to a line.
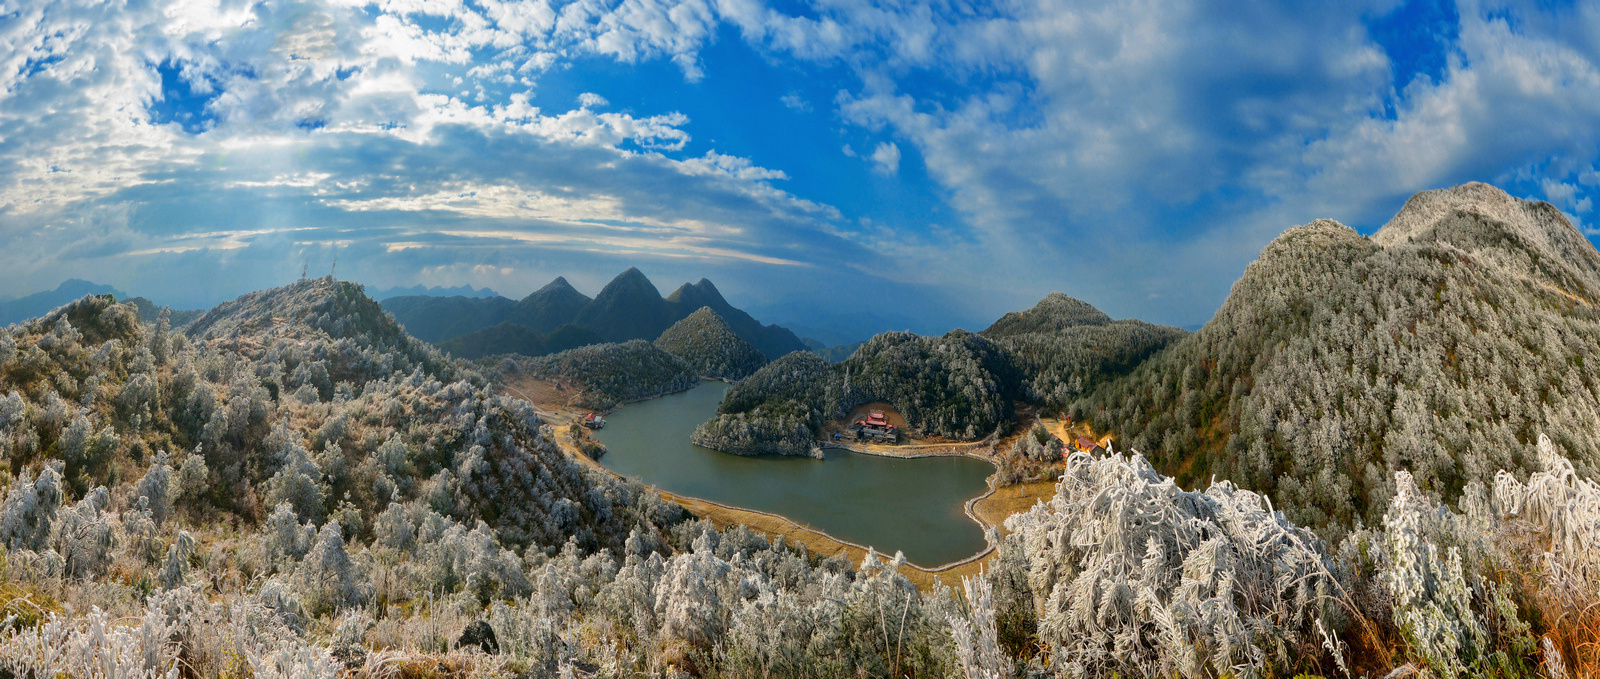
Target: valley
(1378,459)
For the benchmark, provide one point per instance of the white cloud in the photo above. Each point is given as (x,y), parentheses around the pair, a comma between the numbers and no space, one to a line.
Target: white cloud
(794,102)
(1171,139)
(887,158)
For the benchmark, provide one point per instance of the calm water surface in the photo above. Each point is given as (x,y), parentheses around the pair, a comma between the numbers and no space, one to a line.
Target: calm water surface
(912,506)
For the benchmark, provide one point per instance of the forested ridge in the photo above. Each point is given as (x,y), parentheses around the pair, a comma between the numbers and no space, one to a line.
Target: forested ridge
(296,488)
(961,385)
(704,341)
(1443,345)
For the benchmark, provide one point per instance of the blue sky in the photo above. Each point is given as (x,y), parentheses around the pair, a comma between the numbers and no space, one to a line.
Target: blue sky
(851,166)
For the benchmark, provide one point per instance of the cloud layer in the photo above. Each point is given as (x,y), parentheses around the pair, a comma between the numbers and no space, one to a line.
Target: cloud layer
(1133,154)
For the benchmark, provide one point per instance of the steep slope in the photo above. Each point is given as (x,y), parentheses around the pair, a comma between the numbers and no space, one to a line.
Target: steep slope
(1443,345)
(40,303)
(436,319)
(550,307)
(629,307)
(1066,347)
(706,343)
(771,340)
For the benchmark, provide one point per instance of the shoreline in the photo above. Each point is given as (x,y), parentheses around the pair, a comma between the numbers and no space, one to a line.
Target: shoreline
(815,540)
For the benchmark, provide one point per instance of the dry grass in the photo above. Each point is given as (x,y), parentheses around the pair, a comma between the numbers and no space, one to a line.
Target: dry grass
(1009,500)
(28,604)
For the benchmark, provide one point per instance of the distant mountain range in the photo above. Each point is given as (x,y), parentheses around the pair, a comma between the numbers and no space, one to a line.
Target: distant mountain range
(40,303)
(629,307)
(20,309)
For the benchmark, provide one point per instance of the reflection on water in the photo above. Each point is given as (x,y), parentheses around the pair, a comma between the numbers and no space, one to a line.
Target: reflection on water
(890,504)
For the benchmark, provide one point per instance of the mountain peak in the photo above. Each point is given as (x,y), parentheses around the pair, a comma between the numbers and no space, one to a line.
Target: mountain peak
(707,315)
(699,294)
(558,288)
(337,309)
(632,280)
(1479,218)
(704,340)
(1055,312)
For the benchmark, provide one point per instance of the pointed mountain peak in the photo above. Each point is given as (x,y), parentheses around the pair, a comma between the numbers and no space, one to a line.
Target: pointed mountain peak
(632,281)
(700,293)
(560,284)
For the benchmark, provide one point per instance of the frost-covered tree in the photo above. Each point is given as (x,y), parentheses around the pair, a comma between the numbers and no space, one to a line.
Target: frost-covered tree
(156,488)
(327,580)
(1131,574)
(30,509)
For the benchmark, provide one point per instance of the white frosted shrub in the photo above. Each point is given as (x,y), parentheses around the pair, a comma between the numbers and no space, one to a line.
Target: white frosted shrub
(285,538)
(474,560)
(1432,600)
(327,580)
(524,631)
(190,481)
(83,535)
(13,410)
(393,529)
(1565,509)
(278,599)
(977,644)
(176,568)
(156,487)
(687,599)
(1136,576)
(29,510)
(92,647)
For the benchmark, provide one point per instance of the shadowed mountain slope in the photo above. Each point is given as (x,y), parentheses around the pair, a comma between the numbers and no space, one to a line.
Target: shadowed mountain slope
(629,307)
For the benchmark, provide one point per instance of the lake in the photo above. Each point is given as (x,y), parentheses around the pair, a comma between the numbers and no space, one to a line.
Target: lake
(889,504)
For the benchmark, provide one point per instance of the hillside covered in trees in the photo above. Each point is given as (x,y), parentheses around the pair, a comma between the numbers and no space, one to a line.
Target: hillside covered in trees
(297,488)
(1443,345)
(961,385)
(610,374)
(707,344)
